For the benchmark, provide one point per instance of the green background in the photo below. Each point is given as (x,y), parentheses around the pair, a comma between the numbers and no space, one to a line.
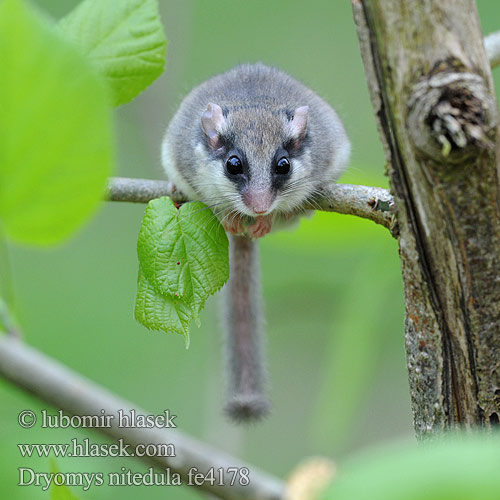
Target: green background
(333,293)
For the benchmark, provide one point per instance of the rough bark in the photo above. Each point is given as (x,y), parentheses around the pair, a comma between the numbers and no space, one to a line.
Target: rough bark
(431,87)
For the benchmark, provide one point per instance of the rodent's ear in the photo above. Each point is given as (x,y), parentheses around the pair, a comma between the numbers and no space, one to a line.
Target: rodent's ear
(212,122)
(298,123)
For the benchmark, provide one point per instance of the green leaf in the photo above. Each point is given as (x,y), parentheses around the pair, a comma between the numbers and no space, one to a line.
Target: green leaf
(55,130)
(161,312)
(183,251)
(183,256)
(125,40)
(458,469)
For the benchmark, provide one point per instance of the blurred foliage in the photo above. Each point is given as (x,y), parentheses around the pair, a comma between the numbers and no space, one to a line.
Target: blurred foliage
(125,40)
(333,294)
(446,469)
(55,127)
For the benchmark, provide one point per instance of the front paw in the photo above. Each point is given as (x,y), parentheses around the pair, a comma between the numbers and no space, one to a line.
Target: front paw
(261,227)
(233,224)
(174,194)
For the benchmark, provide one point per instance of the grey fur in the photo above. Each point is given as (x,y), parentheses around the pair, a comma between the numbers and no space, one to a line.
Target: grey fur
(258,102)
(258,105)
(244,333)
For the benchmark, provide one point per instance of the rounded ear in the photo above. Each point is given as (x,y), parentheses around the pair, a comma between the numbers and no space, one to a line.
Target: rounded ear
(212,122)
(298,123)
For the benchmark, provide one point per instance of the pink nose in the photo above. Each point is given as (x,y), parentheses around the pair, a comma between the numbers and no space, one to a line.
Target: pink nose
(258,201)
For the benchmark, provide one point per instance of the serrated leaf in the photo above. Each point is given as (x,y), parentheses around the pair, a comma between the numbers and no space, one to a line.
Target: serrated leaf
(125,40)
(458,469)
(161,312)
(183,251)
(55,130)
(183,256)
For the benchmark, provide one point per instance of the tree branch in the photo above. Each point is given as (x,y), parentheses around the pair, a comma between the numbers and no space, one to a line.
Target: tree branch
(140,190)
(434,101)
(54,383)
(375,204)
(371,203)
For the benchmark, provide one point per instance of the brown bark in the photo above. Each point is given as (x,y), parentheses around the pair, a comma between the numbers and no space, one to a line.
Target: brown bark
(432,91)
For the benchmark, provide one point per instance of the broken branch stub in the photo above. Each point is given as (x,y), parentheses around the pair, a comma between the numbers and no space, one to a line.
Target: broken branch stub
(452,117)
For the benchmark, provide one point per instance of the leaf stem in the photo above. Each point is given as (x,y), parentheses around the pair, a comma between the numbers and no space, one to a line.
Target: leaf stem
(7,324)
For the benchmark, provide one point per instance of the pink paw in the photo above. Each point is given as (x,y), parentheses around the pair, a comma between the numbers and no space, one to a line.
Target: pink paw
(261,227)
(233,224)
(174,194)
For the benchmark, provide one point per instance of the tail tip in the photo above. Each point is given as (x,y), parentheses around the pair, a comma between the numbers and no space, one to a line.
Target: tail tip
(246,408)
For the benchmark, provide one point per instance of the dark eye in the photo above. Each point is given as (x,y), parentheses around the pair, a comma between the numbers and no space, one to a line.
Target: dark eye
(283,166)
(234,166)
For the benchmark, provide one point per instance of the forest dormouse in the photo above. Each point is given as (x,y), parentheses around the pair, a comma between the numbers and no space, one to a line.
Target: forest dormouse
(255,145)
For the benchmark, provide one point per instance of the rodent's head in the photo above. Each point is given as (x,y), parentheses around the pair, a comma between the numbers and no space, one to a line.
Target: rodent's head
(256,158)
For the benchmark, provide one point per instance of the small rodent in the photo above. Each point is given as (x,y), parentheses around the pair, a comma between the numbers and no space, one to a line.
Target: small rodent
(254,144)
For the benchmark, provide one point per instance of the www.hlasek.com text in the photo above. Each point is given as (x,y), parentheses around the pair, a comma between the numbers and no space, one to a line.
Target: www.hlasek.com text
(86,448)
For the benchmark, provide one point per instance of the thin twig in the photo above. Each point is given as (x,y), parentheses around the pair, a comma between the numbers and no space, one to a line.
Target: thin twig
(56,384)
(7,322)
(140,190)
(367,202)
(492,44)
(371,203)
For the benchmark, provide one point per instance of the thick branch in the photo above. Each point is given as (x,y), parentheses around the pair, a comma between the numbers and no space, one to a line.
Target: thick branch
(432,91)
(56,384)
(371,203)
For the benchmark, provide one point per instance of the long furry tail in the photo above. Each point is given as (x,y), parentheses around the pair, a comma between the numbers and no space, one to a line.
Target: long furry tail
(244,330)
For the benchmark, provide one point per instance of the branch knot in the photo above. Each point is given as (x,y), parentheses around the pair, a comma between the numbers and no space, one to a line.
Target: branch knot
(452,117)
